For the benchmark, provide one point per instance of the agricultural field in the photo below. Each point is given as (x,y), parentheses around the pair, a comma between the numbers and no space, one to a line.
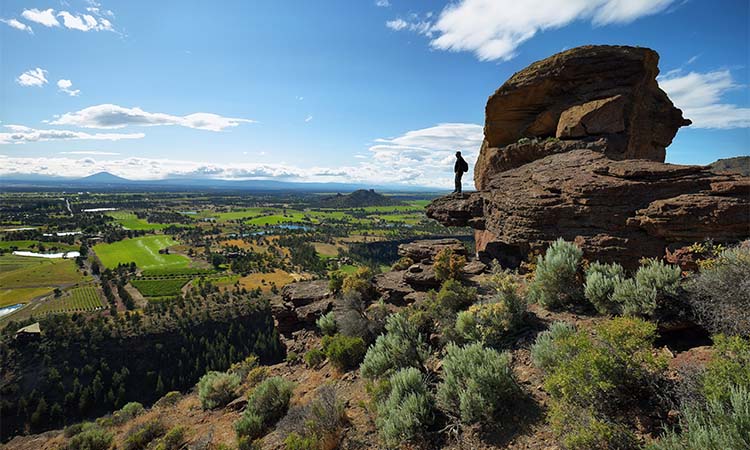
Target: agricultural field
(130,221)
(80,299)
(22,295)
(264,281)
(144,251)
(27,272)
(35,245)
(160,287)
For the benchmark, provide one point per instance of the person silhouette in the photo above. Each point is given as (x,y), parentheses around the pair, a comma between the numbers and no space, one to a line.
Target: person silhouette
(459,168)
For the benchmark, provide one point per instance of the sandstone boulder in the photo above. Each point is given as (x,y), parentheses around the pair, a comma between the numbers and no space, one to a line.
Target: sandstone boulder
(300,305)
(428,248)
(584,93)
(615,210)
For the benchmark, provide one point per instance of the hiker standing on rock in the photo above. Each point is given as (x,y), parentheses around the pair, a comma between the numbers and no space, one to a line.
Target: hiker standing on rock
(459,169)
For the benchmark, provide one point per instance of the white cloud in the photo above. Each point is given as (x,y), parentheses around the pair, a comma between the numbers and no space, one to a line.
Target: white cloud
(421,157)
(71,20)
(114,116)
(33,77)
(84,22)
(18,25)
(308,118)
(65,86)
(46,17)
(493,29)
(90,153)
(414,24)
(699,95)
(382,3)
(20,135)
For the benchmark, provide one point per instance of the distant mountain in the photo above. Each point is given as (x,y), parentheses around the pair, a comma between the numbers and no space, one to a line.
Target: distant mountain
(105,181)
(103,178)
(738,164)
(358,199)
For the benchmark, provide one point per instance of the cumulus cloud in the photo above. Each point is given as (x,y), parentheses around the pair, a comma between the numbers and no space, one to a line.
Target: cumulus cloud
(422,157)
(494,29)
(19,134)
(65,86)
(90,153)
(95,21)
(18,25)
(33,77)
(85,22)
(46,17)
(699,95)
(114,116)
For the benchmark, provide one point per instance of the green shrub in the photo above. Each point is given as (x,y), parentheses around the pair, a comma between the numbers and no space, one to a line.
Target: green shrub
(90,437)
(407,410)
(400,346)
(327,324)
(656,283)
(169,399)
(127,412)
(729,367)
(249,426)
(336,281)
(403,263)
(344,352)
(545,353)
(492,323)
(476,383)
(242,368)
(270,399)
(257,375)
(246,443)
(591,379)
(314,358)
(448,265)
(291,357)
(140,436)
(632,298)
(584,429)
(715,426)
(295,441)
(454,296)
(173,440)
(216,389)
(720,293)
(358,282)
(600,284)
(556,282)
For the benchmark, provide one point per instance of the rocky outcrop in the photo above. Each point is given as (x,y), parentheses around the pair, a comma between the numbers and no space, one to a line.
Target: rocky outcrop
(300,305)
(401,287)
(615,210)
(574,147)
(586,93)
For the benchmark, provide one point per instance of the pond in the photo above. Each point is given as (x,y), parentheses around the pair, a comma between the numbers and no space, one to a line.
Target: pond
(9,309)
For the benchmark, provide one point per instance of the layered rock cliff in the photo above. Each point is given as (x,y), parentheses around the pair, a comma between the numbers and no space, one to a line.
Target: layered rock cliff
(574,147)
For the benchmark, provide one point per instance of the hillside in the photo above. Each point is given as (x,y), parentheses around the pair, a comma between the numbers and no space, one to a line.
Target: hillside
(738,164)
(358,199)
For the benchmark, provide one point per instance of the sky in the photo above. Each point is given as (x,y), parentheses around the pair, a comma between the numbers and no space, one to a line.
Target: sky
(368,91)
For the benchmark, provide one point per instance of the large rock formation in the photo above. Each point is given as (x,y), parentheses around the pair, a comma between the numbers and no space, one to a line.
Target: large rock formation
(585,93)
(590,166)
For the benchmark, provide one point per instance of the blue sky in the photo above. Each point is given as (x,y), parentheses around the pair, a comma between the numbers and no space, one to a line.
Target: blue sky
(371,91)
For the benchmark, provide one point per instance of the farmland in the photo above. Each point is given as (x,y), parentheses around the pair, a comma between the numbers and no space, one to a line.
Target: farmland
(159,287)
(143,251)
(80,299)
(130,221)
(25,272)
(21,295)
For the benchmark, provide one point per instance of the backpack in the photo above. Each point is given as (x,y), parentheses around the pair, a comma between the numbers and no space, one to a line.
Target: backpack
(464,165)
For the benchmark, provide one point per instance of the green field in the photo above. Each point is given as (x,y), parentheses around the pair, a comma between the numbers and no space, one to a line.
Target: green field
(27,272)
(79,299)
(160,288)
(130,221)
(34,245)
(144,251)
(177,272)
(22,295)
